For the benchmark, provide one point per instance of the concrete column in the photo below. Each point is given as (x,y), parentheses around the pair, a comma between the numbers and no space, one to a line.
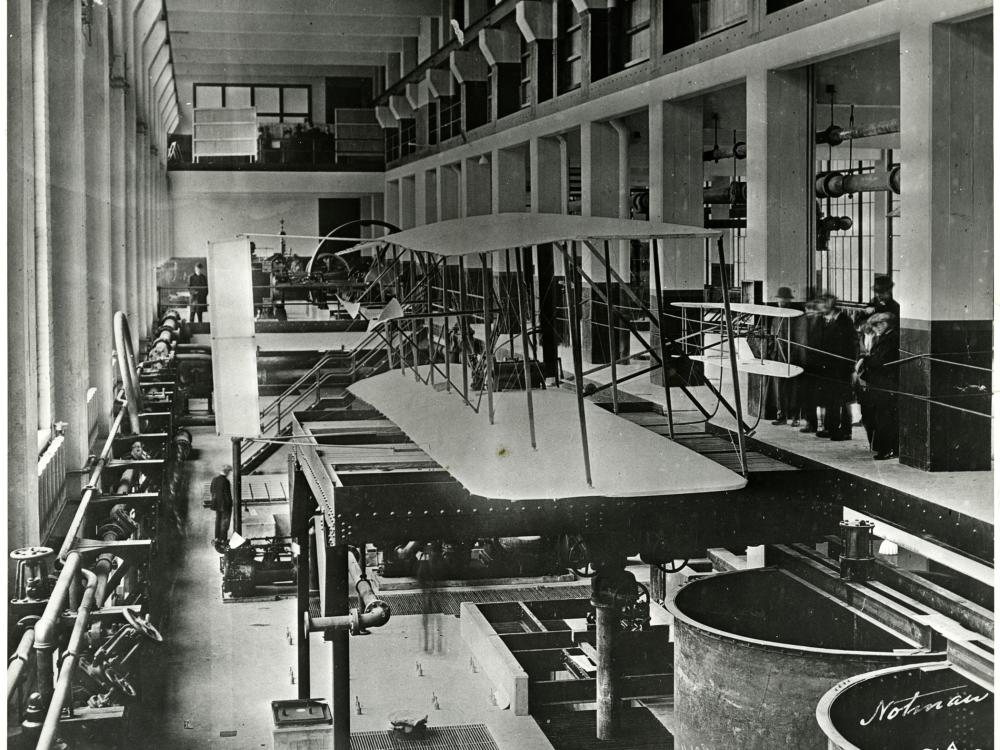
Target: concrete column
(42,209)
(420,190)
(545,161)
(141,322)
(781,204)
(676,176)
(129,130)
(509,179)
(448,192)
(119,261)
(97,145)
(22,372)
(68,224)
(392,202)
(945,253)
(602,184)
(407,202)
(476,193)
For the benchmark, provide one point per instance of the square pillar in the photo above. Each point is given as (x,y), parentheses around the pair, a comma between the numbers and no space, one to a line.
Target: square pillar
(603,183)
(544,168)
(676,194)
(945,253)
(781,207)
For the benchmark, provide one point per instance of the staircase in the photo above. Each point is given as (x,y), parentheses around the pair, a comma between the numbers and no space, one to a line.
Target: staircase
(323,386)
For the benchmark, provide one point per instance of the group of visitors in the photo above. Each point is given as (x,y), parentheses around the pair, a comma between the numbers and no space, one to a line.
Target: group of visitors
(844,359)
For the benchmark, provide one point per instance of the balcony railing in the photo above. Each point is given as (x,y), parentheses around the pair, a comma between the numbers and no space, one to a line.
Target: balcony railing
(352,142)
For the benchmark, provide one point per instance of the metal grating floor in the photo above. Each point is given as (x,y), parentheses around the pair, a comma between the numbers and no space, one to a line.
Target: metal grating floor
(462,737)
(444,601)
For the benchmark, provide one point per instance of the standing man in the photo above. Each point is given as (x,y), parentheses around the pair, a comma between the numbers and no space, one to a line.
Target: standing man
(222,503)
(786,390)
(879,374)
(838,353)
(198,288)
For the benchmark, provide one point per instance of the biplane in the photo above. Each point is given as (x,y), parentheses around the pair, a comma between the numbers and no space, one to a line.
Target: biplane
(763,328)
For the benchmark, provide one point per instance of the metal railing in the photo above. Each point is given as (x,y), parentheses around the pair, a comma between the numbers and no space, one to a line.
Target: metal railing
(51,484)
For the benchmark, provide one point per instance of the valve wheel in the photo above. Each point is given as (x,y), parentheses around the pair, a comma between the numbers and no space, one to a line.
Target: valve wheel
(143,626)
(635,612)
(674,566)
(30,553)
(579,562)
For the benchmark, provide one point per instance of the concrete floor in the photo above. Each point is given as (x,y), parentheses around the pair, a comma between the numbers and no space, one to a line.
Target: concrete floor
(223,663)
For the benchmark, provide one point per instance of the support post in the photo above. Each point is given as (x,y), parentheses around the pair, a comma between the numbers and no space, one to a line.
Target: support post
(488,322)
(237,485)
(732,355)
(301,592)
(574,328)
(612,589)
(613,343)
(659,327)
(463,305)
(524,346)
(340,649)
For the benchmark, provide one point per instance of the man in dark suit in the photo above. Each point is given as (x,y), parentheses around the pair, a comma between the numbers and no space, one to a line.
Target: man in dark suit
(198,288)
(880,380)
(838,351)
(882,302)
(222,503)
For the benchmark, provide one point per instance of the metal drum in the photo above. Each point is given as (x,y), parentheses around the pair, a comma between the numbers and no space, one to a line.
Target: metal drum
(755,650)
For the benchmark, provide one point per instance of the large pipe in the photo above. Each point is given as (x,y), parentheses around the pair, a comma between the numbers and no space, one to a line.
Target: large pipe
(835,135)
(19,661)
(734,192)
(91,488)
(737,150)
(836,184)
(46,627)
(69,658)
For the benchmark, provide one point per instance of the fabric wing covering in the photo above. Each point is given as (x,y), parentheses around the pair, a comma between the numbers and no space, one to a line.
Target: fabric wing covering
(492,232)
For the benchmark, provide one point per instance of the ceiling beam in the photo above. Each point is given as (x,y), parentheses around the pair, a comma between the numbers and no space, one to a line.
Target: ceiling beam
(403,8)
(241,57)
(287,74)
(292,23)
(260,43)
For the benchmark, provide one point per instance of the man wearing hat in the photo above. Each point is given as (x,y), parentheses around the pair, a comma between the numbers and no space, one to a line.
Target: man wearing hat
(878,373)
(786,390)
(883,302)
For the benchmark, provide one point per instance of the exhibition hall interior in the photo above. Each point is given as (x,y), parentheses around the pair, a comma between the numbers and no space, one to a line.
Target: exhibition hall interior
(500,374)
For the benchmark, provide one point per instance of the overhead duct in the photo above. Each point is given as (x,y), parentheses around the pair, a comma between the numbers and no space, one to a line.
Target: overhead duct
(738,150)
(836,184)
(734,192)
(835,135)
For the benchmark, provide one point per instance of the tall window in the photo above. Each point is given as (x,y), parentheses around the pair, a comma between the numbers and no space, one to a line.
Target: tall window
(570,49)
(525,91)
(847,267)
(288,104)
(636,29)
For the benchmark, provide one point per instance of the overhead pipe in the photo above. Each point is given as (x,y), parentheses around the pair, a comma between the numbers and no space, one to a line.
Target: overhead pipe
(46,627)
(734,192)
(837,184)
(738,151)
(835,135)
(18,661)
(375,614)
(67,667)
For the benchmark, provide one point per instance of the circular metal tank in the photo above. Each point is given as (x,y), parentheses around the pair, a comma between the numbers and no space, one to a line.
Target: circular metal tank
(755,650)
(922,706)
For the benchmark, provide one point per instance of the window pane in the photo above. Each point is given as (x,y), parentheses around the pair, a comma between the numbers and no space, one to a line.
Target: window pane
(266,99)
(296,100)
(237,96)
(208,96)
(293,120)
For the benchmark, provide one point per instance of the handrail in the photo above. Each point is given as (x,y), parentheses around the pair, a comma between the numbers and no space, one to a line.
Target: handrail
(18,662)
(64,683)
(300,382)
(90,488)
